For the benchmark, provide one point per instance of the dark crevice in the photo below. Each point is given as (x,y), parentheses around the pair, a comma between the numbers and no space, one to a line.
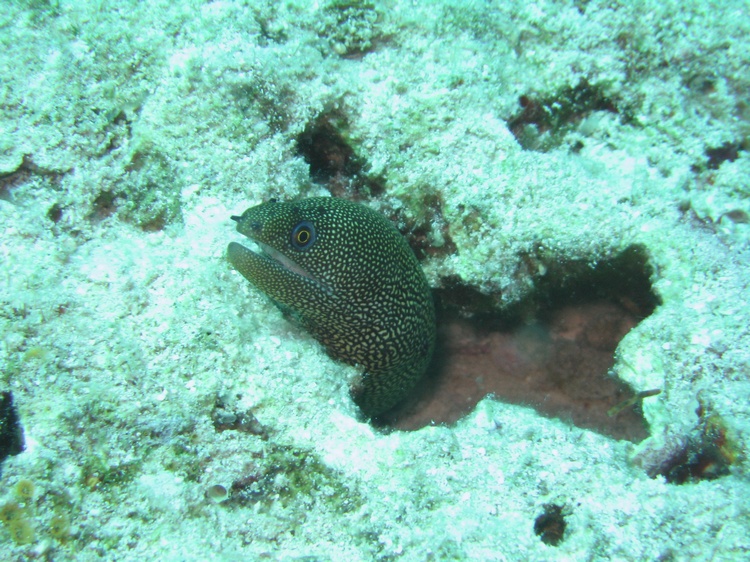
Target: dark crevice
(727,152)
(333,162)
(543,122)
(11,433)
(554,351)
(715,156)
(326,151)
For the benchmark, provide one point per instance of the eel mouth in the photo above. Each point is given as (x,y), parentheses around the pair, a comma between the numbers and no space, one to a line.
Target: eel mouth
(288,264)
(266,252)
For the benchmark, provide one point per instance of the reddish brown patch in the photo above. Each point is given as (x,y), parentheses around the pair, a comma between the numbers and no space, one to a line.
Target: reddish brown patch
(558,364)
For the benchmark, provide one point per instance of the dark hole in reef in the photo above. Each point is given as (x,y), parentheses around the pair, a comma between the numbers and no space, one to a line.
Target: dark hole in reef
(326,151)
(554,351)
(550,525)
(104,206)
(333,162)
(11,434)
(557,114)
(715,156)
(55,213)
(727,152)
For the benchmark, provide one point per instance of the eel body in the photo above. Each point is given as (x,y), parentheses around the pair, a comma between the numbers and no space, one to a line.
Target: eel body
(346,274)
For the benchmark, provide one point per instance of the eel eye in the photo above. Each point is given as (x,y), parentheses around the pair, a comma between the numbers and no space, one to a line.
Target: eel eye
(303,235)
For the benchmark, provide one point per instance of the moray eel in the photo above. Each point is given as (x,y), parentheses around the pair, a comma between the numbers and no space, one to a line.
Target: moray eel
(348,277)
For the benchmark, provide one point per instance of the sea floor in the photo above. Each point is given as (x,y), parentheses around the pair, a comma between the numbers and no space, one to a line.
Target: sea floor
(574,179)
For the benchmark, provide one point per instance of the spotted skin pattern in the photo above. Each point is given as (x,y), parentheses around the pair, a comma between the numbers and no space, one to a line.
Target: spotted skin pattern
(347,276)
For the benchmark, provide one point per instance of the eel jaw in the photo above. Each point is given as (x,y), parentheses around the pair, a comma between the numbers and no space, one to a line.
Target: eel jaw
(290,265)
(245,260)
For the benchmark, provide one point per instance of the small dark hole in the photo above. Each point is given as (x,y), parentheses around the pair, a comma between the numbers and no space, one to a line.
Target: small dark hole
(54,213)
(103,206)
(550,525)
